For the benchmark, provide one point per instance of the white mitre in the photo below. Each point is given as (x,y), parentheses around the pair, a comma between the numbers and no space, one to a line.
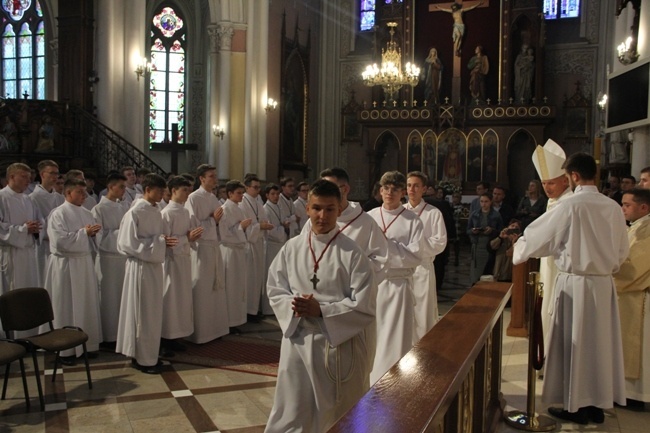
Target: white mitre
(548,160)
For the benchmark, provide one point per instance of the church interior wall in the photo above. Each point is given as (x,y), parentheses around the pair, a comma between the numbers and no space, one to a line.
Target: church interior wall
(237,113)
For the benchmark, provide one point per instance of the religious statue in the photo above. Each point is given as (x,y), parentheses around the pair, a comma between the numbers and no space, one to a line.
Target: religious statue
(9,141)
(458,31)
(479,67)
(524,71)
(452,170)
(433,76)
(46,136)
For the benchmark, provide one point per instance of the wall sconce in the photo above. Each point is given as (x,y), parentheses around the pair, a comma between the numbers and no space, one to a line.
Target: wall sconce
(602,101)
(626,52)
(218,131)
(271,105)
(144,67)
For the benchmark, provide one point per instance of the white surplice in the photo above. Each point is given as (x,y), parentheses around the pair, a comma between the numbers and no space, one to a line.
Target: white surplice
(287,207)
(141,240)
(178,316)
(208,290)
(45,202)
(109,265)
(323,369)
(130,196)
(234,250)
(548,273)
(275,240)
(300,208)
(18,266)
(256,264)
(586,235)
(434,241)
(395,298)
(70,277)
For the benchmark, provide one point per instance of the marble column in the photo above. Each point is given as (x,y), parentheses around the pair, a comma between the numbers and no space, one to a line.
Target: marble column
(212,149)
(225,32)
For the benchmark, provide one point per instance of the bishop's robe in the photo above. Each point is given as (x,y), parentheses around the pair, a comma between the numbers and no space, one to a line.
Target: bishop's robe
(208,290)
(395,296)
(434,241)
(586,236)
(323,367)
(109,265)
(142,241)
(632,284)
(70,277)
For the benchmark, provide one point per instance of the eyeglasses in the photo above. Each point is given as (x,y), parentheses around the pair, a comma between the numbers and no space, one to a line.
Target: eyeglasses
(391,190)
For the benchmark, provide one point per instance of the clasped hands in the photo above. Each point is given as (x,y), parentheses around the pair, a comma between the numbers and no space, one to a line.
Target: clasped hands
(306,306)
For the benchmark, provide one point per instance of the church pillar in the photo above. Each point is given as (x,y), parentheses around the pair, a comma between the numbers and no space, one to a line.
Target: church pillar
(212,150)
(225,32)
(54,93)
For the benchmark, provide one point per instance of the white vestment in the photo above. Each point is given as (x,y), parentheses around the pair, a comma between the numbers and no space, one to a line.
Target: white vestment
(89,203)
(45,202)
(130,196)
(287,207)
(586,235)
(300,208)
(208,290)
(178,317)
(275,240)
(235,255)
(434,241)
(548,273)
(18,266)
(256,265)
(70,277)
(323,369)
(109,265)
(141,240)
(395,298)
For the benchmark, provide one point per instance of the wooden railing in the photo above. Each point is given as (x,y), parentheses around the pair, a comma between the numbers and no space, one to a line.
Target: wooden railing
(449,382)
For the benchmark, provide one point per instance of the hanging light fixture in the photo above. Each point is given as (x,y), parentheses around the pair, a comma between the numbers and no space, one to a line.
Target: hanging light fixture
(391,77)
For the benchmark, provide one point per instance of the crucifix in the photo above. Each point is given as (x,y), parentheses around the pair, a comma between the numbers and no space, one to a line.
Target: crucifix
(456,9)
(314,280)
(173,146)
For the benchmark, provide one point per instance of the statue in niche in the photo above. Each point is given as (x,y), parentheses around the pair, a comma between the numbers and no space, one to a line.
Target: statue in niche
(524,71)
(415,155)
(45,136)
(433,76)
(478,66)
(9,141)
(452,170)
(458,31)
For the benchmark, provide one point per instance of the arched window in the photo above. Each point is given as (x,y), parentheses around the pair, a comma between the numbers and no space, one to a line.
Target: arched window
(167,79)
(554,9)
(23,50)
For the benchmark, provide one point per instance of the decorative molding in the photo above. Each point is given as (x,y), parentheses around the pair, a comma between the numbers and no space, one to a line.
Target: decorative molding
(213,35)
(593,19)
(225,33)
(198,124)
(347,32)
(350,76)
(580,61)
(54,46)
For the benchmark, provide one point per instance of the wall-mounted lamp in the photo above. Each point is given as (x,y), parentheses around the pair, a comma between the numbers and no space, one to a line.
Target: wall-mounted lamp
(218,131)
(271,104)
(602,101)
(144,67)
(627,52)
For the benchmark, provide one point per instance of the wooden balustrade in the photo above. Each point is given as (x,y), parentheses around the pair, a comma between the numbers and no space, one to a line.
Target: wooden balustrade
(449,382)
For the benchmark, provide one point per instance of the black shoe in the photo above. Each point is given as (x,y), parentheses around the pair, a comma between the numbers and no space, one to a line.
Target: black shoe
(253,318)
(579,417)
(174,345)
(596,414)
(148,369)
(68,360)
(234,330)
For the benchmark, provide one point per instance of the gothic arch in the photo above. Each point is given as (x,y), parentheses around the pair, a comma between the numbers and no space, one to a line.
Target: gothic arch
(520,147)
(386,155)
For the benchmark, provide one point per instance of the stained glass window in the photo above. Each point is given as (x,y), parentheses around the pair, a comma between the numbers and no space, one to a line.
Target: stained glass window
(167,78)
(367,15)
(23,50)
(555,9)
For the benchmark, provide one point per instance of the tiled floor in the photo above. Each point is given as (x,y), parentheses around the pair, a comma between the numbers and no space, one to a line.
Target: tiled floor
(188,398)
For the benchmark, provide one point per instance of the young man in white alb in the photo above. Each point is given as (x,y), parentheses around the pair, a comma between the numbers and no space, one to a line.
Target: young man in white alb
(300,204)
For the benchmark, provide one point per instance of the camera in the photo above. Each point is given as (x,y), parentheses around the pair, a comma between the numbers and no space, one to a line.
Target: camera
(513,231)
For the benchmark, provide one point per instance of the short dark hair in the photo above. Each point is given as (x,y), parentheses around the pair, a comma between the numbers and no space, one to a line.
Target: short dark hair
(271,187)
(395,178)
(486,194)
(639,195)
(285,180)
(114,178)
(250,178)
(234,185)
(46,163)
(153,180)
(484,184)
(645,170)
(336,172)
(324,188)
(581,163)
(501,187)
(126,168)
(142,171)
(423,177)
(72,183)
(203,168)
(178,182)
(189,177)
(301,184)
(632,178)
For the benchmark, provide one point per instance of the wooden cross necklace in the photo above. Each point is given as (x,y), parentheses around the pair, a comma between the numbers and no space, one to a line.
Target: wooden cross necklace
(314,280)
